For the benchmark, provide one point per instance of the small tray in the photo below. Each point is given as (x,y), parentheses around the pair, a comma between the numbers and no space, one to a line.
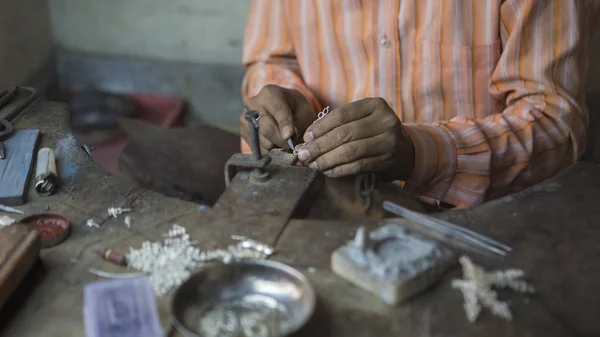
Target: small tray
(246,296)
(53,228)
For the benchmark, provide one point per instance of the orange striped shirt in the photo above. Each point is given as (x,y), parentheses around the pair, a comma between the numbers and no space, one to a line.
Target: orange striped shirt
(490,91)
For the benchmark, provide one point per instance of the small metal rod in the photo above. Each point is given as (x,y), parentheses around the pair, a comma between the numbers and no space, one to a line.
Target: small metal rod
(406,213)
(258,175)
(456,232)
(455,235)
(106,274)
(252,116)
(8,209)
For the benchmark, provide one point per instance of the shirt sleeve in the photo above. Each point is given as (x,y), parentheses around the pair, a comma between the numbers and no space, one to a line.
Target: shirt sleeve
(542,130)
(268,53)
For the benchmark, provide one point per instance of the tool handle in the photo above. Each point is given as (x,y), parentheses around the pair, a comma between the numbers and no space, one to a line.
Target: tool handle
(45,173)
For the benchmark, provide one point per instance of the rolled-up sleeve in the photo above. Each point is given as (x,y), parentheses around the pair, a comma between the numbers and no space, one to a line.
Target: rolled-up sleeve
(268,53)
(542,130)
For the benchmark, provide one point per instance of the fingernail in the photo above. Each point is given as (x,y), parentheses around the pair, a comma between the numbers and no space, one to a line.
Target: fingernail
(303,155)
(328,172)
(314,165)
(287,132)
(309,137)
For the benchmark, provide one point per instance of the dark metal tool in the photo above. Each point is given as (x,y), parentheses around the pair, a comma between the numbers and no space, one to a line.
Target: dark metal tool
(290,143)
(259,174)
(5,97)
(448,233)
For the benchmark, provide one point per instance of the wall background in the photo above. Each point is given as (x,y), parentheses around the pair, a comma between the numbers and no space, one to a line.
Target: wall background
(198,31)
(25,40)
(202,31)
(594,73)
(190,48)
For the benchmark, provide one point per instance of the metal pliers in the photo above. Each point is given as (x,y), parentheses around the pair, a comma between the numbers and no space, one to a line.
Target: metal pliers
(5,97)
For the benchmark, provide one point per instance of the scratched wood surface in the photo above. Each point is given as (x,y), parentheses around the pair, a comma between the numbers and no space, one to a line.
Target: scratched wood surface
(54,303)
(15,169)
(560,219)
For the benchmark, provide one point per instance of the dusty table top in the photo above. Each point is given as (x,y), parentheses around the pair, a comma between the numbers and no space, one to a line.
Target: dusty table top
(552,229)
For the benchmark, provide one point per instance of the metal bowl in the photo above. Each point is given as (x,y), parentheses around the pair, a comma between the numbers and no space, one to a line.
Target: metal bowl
(230,299)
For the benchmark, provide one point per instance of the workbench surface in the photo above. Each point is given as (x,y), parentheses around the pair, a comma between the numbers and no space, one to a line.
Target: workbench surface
(552,228)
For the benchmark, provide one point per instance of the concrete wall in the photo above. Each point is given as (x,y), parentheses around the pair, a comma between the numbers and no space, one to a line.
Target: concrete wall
(197,31)
(25,40)
(211,90)
(179,42)
(207,31)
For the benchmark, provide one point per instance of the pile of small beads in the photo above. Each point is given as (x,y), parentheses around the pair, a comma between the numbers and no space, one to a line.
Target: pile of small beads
(170,263)
(167,264)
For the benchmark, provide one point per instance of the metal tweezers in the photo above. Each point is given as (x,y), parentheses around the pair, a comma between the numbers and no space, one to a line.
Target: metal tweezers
(5,97)
(449,233)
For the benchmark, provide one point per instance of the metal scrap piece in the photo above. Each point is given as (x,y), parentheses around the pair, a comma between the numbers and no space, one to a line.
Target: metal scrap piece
(92,223)
(116,211)
(247,243)
(8,209)
(6,221)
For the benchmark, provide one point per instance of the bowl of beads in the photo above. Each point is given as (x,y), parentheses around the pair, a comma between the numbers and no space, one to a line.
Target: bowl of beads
(246,298)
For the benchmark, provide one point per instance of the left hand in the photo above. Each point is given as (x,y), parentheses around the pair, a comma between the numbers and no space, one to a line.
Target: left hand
(363,136)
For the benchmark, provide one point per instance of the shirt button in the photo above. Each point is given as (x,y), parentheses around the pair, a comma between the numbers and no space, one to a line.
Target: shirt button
(384,42)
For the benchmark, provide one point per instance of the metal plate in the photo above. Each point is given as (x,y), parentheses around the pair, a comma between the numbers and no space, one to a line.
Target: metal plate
(258,295)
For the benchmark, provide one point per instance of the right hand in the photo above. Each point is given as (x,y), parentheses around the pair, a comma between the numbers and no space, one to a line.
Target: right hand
(286,113)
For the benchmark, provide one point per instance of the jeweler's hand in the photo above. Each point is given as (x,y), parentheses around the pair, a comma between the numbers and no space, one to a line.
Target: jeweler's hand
(363,136)
(284,113)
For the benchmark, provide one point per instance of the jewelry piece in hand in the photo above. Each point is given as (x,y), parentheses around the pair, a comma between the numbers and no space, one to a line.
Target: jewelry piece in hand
(296,149)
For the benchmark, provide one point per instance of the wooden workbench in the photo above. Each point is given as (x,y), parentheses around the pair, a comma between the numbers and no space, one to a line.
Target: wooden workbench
(553,229)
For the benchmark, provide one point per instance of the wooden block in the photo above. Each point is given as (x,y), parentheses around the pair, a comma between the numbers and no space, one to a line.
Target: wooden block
(15,169)
(394,273)
(19,248)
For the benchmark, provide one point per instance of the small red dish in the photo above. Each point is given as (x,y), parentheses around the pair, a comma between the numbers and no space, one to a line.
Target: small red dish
(53,228)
